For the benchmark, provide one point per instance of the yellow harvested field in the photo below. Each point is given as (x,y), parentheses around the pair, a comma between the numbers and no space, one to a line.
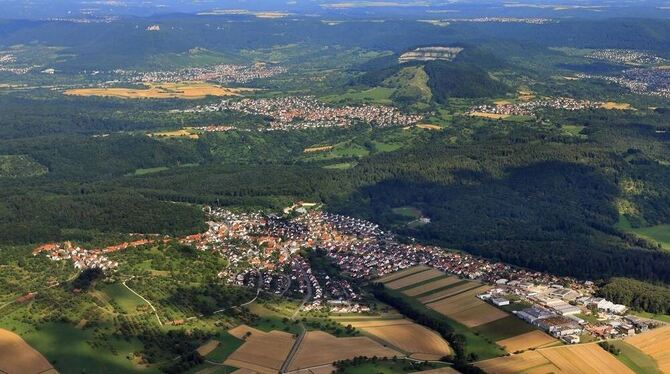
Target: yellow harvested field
(319,348)
(327,369)
(526,95)
(489,115)
(418,341)
(264,352)
(451,291)
(429,127)
(655,343)
(241,330)
(378,323)
(208,347)
(444,282)
(515,363)
(414,279)
(184,90)
(617,106)
(502,102)
(402,273)
(183,133)
(318,149)
(16,356)
(580,358)
(533,339)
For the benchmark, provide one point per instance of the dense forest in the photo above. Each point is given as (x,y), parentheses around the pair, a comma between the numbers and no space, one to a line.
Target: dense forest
(638,295)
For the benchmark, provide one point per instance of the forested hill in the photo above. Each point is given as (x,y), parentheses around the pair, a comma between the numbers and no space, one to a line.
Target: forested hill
(126,43)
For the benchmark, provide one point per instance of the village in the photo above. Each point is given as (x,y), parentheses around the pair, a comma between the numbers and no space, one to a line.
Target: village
(304,112)
(8,64)
(222,73)
(529,108)
(654,81)
(532,21)
(625,56)
(272,253)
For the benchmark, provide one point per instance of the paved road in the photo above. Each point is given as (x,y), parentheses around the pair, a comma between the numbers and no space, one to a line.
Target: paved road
(294,349)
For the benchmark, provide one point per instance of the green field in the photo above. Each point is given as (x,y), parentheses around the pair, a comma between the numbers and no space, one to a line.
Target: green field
(408,211)
(126,300)
(340,166)
(377,95)
(635,359)
(658,234)
(150,170)
(504,328)
(386,367)
(228,345)
(659,317)
(69,350)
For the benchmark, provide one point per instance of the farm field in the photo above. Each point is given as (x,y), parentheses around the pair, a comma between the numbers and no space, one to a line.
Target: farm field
(489,115)
(616,106)
(414,279)
(318,149)
(402,273)
(659,233)
(504,328)
(533,339)
(429,127)
(184,90)
(428,287)
(16,356)
(319,348)
(418,341)
(581,358)
(67,347)
(635,359)
(455,289)
(181,133)
(264,352)
(655,343)
(127,301)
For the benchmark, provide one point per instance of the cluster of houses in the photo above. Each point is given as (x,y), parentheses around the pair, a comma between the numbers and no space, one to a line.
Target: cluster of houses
(304,112)
(532,21)
(653,81)
(80,258)
(529,108)
(222,73)
(625,56)
(8,65)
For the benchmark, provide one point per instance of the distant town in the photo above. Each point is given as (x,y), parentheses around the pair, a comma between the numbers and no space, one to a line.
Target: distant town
(303,112)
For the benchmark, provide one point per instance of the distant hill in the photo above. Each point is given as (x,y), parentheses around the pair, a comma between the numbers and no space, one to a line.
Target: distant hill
(461,80)
(467,76)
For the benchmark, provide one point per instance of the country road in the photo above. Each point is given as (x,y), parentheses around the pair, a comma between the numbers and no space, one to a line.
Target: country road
(145,300)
